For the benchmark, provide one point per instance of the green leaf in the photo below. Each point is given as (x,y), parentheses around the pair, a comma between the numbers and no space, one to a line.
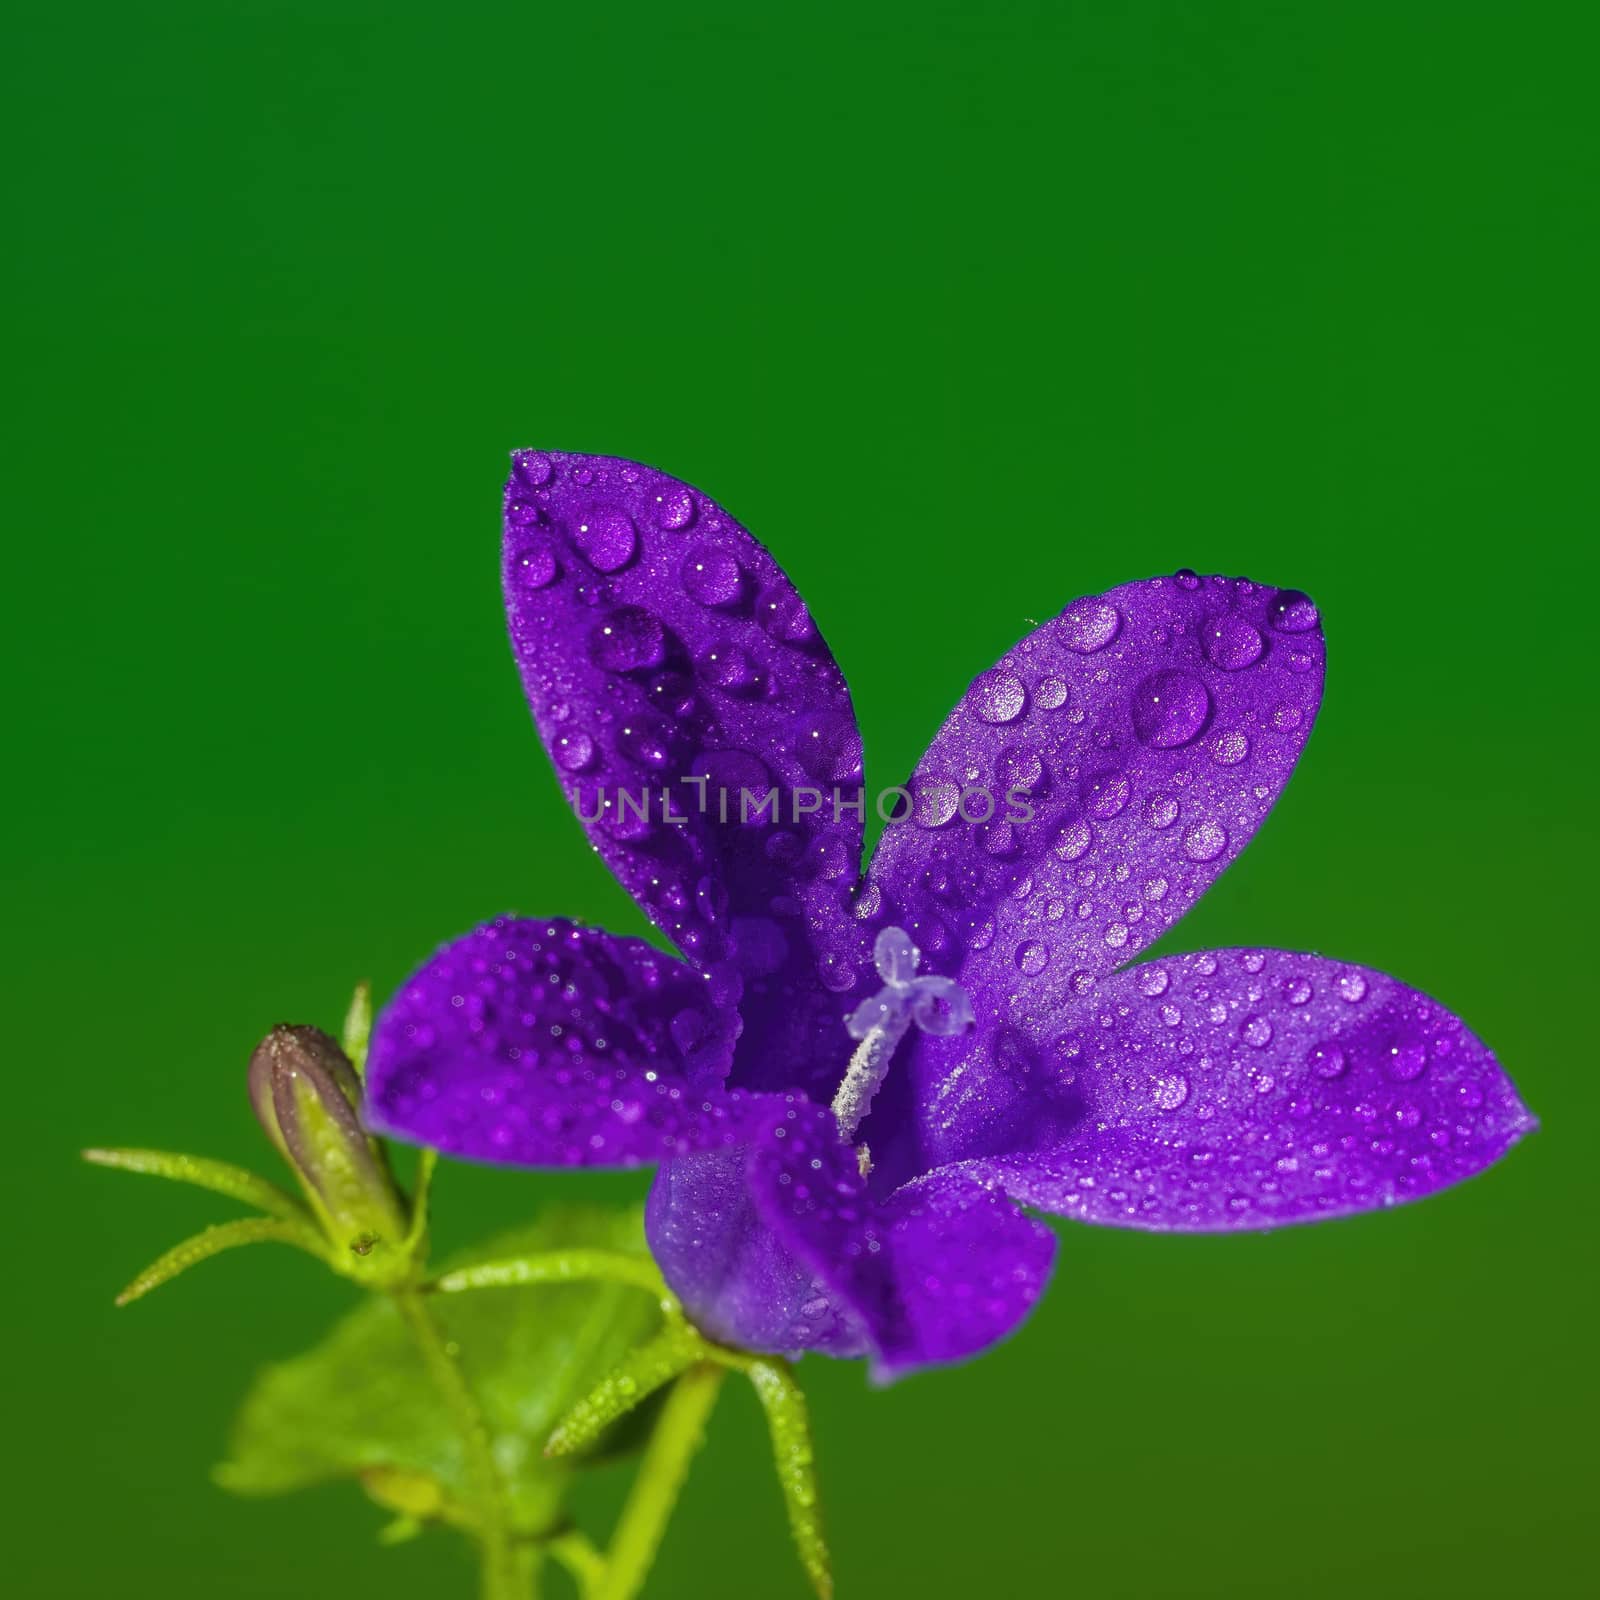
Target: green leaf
(220,1177)
(362,1404)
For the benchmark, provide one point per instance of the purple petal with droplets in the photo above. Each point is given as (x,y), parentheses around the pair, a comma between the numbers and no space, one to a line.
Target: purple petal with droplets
(1148,730)
(782,1247)
(658,642)
(1226,1090)
(541,1043)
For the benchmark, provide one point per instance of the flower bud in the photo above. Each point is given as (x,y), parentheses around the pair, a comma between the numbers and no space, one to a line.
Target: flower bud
(305,1094)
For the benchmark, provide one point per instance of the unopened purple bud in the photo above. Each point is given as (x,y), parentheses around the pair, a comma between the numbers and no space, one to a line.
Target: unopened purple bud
(305,1094)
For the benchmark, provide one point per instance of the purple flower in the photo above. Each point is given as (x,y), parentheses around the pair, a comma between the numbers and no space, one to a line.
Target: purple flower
(851,1085)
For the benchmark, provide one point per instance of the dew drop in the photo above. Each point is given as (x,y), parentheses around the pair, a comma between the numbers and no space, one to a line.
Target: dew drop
(1404,1060)
(710,576)
(1287,718)
(606,535)
(646,740)
(1290,611)
(1171,1091)
(673,508)
(532,467)
(1089,625)
(1105,794)
(827,745)
(1153,981)
(1205,841)
(1352,987)
(630,638)
(1161,811)
(1051,694)
(1327,1061)
(1031,957)
(783,614)
(1231,642)
(730,668)
(573,751)
(1073,840)
(997,697)
(1019,766)
(1229,749)
(935,801)
(1256,1032)
(534,566)
(1169,709)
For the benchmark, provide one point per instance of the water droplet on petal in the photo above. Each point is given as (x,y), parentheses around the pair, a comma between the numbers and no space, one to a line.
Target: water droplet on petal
(1153,982)
(1229,749)
(1256,1032)
(1161,811)
(628,639)
(1089,625)
(711,576)
(1051,694)
(1105,794)
(782,612)
(1205,841)
(673,508)
(828,747)
(731,668)
(532,467)
(1327,1060)
(934,801)
(1290,611)
(997,697)
(1032,958)
(606,535)
(534,566)
(1169,709)
(1231,642)
(1186,578)
(1073,840)
(573,751)
(1352,987)
(1404,1060)
(1171,1091)
(646,740)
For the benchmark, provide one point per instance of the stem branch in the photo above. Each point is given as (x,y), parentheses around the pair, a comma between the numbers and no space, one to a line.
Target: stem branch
(504,1576)
(661,1476)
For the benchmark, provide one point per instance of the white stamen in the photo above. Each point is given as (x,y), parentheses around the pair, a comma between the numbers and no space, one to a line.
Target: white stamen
(937,1005)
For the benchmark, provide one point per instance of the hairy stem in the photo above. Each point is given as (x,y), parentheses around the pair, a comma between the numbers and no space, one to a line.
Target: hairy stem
(661,1475)
(505,1573)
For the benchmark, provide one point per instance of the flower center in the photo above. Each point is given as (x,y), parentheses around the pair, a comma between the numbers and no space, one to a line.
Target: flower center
(937,1005)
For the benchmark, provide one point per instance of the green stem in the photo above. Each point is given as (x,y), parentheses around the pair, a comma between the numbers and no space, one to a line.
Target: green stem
(661,1475)
(505,1575)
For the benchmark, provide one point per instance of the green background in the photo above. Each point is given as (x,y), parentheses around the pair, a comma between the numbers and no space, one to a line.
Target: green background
(966,310)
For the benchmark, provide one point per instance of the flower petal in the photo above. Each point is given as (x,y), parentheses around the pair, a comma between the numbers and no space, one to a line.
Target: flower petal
(541,1043)
(780,1246)
(1148,731)
(1231,1089)
(671,667)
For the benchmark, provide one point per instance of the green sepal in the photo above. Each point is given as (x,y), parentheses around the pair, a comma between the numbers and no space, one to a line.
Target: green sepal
(362,1401)
(220,1177)
(641,1373)
(789,1423)
(356,1033)
(213,1241)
